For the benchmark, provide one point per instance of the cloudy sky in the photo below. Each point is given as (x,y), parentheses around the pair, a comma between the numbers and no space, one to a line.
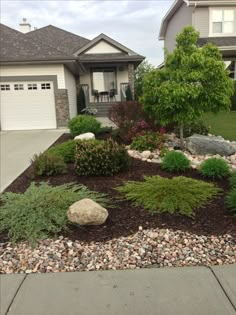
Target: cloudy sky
(134,23)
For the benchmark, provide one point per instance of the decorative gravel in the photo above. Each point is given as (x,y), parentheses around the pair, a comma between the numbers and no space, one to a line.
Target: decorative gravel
(146,248)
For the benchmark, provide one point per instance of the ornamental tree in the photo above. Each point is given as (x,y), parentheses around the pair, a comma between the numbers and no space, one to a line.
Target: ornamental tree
(193,81)
(139,74)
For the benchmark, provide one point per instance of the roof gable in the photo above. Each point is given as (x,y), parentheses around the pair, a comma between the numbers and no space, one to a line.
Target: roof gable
(102,47)
(109,41)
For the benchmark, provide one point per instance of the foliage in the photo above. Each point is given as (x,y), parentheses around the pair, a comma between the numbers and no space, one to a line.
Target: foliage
(193,81)
(66,150)
(100,158)
(82,124)
(174,161)
(89,111)
(163,151)
(233,180)
(128,93)
(148,141)
(214,168)
(81,101)
(139,75)
(233,98)
(47,164)
(129,117)
(40,212)
(231,199)
(176,195)
(198,126)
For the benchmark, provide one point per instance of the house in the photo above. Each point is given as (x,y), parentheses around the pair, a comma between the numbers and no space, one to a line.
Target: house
(42,71)
(214,19)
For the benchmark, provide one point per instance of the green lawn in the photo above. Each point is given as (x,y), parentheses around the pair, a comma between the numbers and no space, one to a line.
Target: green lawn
(223,124)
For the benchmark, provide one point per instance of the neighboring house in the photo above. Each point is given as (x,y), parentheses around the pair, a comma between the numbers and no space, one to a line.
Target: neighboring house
(42,71)
(215,20)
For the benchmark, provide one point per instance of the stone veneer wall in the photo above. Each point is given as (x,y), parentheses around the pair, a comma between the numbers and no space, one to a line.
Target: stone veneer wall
(62,107)
(131,77)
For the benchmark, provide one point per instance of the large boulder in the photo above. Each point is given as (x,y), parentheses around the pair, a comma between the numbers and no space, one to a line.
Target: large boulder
(201,145)
(87,212)
(85,136)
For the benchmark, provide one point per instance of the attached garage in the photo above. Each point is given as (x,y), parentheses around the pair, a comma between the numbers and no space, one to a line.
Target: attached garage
(27,105)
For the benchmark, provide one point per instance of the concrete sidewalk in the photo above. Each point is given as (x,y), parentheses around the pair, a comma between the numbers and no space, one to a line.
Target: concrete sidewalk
(167,291)
(18,147)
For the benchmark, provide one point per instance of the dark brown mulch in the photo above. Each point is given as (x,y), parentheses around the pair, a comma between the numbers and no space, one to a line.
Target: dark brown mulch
(125,219)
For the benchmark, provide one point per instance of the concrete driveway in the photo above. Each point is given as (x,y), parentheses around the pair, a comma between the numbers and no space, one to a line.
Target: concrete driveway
(156,291)
(18,147)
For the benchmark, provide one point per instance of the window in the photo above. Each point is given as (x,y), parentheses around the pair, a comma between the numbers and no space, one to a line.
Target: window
(18,86)
(45,86)
(5,87)
(32,86)
(103,80)
(222,21)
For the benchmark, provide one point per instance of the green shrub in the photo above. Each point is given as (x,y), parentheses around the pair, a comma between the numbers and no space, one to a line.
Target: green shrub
(233,98)
(175,162)
(148,141)
(82,124)
(197,126)
(103,158)
(66,150)
(176,195)
(48,164)
(231,199)
(233,180)
(40,212)
(214,168)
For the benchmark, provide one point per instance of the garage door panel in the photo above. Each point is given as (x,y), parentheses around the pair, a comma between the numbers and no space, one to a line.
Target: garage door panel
(28,109)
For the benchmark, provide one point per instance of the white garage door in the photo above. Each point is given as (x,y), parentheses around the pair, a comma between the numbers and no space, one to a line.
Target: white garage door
(27,105)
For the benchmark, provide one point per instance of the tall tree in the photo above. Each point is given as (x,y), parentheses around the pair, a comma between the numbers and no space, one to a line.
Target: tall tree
(139,74)
(193,81)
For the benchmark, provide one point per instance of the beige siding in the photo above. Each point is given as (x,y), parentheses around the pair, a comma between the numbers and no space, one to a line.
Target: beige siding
(201,20)
(70,85)
(181,18)
(36,70)
(102,47)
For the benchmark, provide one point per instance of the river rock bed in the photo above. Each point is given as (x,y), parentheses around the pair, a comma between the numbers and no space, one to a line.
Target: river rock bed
(144,249)
(172,143)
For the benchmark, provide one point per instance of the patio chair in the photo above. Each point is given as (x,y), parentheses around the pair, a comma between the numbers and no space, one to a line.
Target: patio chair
(96,95)
(112,95)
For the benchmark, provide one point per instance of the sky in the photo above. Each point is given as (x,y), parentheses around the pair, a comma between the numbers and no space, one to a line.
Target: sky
(133,23)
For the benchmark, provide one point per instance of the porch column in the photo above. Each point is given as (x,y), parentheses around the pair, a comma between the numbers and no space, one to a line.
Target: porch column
(131,77)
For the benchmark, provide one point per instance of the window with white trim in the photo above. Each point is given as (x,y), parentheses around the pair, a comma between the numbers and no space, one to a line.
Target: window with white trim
(18,87)
(5,87)
(32,86)
(222,21)
(45,86)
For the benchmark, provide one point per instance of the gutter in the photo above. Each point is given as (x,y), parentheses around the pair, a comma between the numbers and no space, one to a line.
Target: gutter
(36,61)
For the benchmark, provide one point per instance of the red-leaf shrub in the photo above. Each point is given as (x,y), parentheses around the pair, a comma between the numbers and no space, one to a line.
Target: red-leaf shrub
(130,118)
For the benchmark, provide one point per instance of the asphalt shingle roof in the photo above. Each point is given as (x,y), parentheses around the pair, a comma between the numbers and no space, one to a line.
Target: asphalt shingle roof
(113,57)
(50,43)
(65,41)
(15,46)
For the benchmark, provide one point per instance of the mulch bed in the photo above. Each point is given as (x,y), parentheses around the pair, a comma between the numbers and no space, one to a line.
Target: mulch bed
(125,219)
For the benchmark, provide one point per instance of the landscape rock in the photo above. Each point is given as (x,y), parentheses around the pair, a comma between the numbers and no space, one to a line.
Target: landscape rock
(146,154)
(85,136)
(198,144)
(87,212)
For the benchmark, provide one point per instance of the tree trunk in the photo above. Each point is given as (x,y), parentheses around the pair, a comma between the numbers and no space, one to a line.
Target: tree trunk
(181,133)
